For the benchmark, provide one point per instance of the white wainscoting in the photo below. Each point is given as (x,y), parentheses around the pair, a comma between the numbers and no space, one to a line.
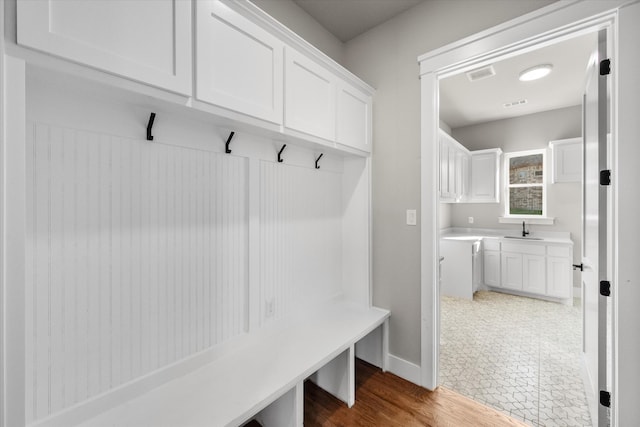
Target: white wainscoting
(136,258)
(301,237)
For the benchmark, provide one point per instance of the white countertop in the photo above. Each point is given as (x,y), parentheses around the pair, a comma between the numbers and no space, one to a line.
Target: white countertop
(475,234)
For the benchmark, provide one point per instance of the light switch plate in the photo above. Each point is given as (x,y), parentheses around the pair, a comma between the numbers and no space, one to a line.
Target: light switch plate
(411,217)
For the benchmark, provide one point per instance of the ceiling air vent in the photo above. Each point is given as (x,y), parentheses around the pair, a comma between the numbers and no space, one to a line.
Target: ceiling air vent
(481,73)
(514,103)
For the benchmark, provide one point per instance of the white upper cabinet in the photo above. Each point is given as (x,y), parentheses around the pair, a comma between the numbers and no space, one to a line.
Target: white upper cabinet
(239,66)
(566,155)
(144,40)
(485,173)
(454,170)
(310,96)
(354,117)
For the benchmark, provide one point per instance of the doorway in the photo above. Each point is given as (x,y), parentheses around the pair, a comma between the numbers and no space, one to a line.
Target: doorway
(550,25)
(513,345)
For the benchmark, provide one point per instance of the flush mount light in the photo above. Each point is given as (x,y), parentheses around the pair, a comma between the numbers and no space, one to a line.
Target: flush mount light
(535,73)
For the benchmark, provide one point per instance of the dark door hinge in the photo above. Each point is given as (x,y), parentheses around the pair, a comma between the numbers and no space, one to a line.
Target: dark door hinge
(605,177)
(605,67)
(578,267)
(605,288)
(605,398)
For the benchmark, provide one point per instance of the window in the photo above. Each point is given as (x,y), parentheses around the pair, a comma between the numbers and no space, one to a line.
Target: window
(525,193)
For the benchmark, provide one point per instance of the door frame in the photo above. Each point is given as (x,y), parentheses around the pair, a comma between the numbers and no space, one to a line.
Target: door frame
(551,24)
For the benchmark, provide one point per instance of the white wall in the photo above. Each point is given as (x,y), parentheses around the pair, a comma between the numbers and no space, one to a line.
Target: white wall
(529,132)
(386,57)
(299,21)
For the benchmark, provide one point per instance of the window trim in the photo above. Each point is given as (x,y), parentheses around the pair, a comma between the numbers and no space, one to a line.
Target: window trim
(507,186)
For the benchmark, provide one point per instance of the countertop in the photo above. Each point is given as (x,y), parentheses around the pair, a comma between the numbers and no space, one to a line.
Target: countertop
(475,234)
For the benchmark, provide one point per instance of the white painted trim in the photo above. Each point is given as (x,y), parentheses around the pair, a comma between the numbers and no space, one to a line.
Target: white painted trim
(13,240)
(404,369)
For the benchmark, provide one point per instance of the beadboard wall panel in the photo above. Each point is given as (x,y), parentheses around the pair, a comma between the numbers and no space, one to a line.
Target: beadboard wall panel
(300,237)
(136,259)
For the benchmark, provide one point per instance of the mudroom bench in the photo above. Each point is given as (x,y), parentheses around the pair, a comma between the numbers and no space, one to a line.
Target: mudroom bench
(260,376)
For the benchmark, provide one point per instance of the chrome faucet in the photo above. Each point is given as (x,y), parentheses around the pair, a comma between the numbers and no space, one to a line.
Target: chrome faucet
(524,231)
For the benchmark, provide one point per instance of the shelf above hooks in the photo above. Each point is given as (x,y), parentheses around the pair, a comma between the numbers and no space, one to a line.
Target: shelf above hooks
(152,117)
(318,159)
(280,153)
(226,145)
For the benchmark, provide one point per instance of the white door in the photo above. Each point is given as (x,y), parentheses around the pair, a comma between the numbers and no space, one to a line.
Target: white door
(594,240)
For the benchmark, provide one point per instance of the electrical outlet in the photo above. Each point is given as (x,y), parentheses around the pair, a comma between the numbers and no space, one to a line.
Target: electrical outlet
(269,308)
(470,220)
(411,217)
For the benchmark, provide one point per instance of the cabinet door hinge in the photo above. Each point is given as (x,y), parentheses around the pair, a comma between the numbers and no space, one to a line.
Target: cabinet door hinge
(605,67)
(605,398)
(605,288)
(605,177)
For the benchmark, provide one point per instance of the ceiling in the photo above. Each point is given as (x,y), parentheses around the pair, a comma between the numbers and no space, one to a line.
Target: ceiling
(347,19)
(463,102)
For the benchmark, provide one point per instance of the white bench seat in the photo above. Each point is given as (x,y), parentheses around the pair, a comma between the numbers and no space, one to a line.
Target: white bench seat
(267,364)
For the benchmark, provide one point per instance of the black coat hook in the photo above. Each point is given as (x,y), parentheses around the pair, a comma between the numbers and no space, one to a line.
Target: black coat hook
(152,117)
(280,153)
(226,145)
(318,159)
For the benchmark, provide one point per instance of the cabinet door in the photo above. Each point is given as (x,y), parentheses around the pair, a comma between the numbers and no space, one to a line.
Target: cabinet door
(239,65)
(511,274)
(453,154)
(152,43)
(567,160)
(354,118)
(533,274)
(444,169)
(310,96)
(491,268)
(465,160)
(484,173)
(559,277)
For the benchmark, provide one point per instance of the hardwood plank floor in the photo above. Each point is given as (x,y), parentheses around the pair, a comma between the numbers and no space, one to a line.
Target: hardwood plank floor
(383,399)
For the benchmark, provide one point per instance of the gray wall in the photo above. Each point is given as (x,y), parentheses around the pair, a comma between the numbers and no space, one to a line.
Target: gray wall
(386,58)
(299,21)
(527,133)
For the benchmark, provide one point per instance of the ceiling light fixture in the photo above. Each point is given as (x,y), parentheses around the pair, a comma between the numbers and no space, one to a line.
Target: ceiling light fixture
(535,73)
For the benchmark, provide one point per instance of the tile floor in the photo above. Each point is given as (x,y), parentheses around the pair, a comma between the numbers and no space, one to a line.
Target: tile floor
(518,355)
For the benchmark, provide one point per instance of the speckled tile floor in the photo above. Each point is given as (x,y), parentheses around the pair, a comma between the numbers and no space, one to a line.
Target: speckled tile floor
(518,355)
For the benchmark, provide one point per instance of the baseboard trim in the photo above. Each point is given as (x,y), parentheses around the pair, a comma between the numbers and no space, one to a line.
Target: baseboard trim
(404,369)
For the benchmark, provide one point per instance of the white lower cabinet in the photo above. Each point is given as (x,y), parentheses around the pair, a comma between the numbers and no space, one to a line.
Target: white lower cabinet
(511,272)
(559,280)
(533,274)
(534,268)
(492,268)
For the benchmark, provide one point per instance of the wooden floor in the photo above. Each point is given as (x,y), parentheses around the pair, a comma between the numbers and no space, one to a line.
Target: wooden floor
(383,399)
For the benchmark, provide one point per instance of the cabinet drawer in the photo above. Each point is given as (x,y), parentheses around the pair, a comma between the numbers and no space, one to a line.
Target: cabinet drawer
(559,251)
(523,248)
(491,244)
